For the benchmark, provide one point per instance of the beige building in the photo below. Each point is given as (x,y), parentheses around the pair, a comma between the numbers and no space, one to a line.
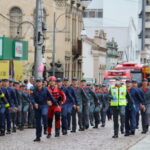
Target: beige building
(68,43)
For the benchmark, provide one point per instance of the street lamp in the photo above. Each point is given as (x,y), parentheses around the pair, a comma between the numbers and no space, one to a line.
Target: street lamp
(26,22)
(60,3)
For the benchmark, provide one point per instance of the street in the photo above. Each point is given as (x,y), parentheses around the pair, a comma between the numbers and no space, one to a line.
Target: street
(92,139)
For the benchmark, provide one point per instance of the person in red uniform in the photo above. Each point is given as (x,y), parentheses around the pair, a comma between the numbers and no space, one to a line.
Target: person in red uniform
(59,95)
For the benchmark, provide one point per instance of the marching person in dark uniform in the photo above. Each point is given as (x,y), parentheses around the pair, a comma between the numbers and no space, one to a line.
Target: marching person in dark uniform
(10,112)
(97,107)
(93,102)
(133,97)
(145,113)
(78,107)
(70,101)
(137,104)
(41,98)
(25,102)
(18,96)
(104,101)
(86,103)
(13,97)
(3,105)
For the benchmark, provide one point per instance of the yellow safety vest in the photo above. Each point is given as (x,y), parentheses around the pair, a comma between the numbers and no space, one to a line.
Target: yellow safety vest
(2,96)
(119,96)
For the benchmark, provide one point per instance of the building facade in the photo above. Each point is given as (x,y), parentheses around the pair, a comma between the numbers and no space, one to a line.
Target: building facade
(94,57)
(68,43)
(112,54)
(144,30)
(93,17)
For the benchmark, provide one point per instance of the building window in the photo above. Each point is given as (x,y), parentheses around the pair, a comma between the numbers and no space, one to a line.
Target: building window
(80,23)
(67,67)
(74,69)
(93,13)
(16,17)
(74,28)
(148,2)
(79,70)
(68,23)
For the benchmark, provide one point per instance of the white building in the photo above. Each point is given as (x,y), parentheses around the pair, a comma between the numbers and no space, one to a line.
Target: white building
(114,18)
(94,57)
(93,17)
(127,40)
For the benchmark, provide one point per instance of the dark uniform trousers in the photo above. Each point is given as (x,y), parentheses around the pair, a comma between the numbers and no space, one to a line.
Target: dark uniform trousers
(118,110)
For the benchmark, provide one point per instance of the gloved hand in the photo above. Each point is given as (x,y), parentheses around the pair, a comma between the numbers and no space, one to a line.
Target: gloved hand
(1,92)
(7,105)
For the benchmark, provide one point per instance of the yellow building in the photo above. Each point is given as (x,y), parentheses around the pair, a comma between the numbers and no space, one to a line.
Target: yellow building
(68,43)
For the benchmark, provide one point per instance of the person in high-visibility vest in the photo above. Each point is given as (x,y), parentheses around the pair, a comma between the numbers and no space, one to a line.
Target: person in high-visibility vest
(118,104)
(3,105)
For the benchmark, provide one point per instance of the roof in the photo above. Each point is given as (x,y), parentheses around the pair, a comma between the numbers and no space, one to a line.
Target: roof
(94,44)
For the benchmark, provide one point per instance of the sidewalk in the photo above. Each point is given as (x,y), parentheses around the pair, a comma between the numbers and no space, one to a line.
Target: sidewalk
(142,145)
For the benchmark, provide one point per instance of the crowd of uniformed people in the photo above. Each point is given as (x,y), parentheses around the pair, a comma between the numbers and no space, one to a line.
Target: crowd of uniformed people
(73,105)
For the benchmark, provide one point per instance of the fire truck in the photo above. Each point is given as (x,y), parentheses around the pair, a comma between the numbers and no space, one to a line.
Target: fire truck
(111,75)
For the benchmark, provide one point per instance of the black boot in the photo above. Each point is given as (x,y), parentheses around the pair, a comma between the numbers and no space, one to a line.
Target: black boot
(81,129)
(132,133)
(45,131)
(86,127)
(64,132)
(96,126)
(144,132)
(103,125)
(57,132)
(14,129)
(127,134)
(92,124)
(8,132)
(115,136)
(122,131)
(2,132)
(73,131)
(37,139)
(49,136)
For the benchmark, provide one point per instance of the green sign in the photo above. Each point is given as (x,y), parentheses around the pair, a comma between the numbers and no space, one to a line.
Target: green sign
(12,49)
(1,47)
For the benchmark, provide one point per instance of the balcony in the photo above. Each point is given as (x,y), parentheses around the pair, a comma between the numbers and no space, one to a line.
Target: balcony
(147,8)
(77,49)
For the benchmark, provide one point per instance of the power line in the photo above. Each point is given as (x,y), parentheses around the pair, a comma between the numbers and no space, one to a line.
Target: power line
(9,19)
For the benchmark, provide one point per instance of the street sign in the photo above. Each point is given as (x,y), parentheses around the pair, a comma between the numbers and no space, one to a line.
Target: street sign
(18,49)
(13,49)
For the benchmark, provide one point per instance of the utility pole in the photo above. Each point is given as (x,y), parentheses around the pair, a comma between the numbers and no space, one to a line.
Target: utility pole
(54,50)
(38,38)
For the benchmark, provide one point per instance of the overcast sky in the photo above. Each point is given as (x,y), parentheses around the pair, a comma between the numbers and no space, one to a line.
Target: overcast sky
(119,12)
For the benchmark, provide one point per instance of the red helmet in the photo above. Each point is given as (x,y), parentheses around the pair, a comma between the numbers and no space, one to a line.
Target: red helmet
(52,78)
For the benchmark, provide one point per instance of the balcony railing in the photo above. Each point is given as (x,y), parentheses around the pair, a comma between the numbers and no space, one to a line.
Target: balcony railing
(77,49)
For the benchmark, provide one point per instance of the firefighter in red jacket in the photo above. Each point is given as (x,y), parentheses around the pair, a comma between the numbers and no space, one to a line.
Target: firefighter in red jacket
(59,95)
